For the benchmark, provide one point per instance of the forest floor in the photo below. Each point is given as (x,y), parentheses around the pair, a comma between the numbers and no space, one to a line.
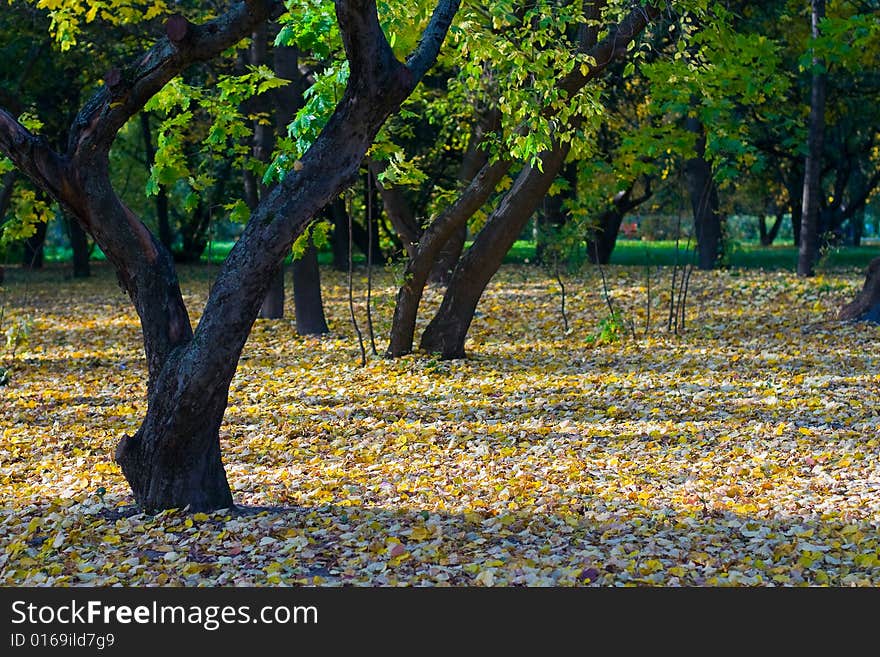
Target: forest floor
(744,450)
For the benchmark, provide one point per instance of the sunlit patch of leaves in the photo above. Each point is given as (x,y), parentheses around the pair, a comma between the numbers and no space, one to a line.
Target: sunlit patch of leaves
(745,451)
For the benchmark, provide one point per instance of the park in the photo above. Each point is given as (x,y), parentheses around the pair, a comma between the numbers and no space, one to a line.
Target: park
(439,293)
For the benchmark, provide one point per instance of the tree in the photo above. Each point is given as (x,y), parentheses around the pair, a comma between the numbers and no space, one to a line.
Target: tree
(174,459)
(547,152)
(866,306)
(808,252)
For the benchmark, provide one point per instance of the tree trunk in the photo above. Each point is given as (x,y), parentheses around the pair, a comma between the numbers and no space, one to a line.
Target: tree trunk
(449,255)
(32,256)
(307,300)
(8,184)
(418,268)
(338,216)
(603,239)
(704,200)
(767,237)
(808,252)
(79,243)
(273,304)
(174,458)
(866,306)
(446,332)
(549,219)
(162,222)
(263,143)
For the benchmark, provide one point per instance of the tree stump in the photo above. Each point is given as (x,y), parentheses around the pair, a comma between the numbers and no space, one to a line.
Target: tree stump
(866,306)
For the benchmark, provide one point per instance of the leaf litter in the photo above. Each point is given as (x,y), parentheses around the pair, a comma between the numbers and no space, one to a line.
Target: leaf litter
(744,452)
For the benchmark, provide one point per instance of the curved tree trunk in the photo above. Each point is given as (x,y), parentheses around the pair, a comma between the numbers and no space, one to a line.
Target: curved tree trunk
(446,332)
(174,458)
(418,268)
(866,306)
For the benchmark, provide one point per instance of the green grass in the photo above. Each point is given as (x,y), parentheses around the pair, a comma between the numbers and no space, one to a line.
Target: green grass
(627,252)
(741,255)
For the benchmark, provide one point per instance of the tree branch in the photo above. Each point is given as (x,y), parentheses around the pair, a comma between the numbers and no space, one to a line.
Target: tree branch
(423,57)
(126,91)
(32,154)
(604,52)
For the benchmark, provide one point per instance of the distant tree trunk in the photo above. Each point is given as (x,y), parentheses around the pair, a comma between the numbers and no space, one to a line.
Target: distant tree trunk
(447,331)
(338,216)
(549,218)
(603,239)
(418,268)
(79,243)
(32,256)
(162,222)
(866,306)
(768,236)
(8,184)
(704,200)
(808,252)
(307,300)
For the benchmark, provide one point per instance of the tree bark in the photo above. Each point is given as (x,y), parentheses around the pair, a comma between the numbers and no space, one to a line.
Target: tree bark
(418,268)
(704,200)
(79,244)
(808,251)
(338,216)
(307,300)
(767,237)
(446,332)
(866,306)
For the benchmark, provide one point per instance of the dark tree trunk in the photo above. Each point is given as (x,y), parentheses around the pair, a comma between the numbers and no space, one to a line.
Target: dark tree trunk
(603,239)
(449,255)
(866,306)
(704,200)
(419,268)
(475,158)
(273,304)
(446,332)
(194,235)
(307,300)
(5,199)
(338,216)
(262,144)
(162,222)
(767,237)
(32,256)
(79,243)
(174,458)
(549,218)
(808,251)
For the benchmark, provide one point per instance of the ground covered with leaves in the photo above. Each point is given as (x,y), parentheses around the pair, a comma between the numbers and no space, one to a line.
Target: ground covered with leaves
(743,451)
